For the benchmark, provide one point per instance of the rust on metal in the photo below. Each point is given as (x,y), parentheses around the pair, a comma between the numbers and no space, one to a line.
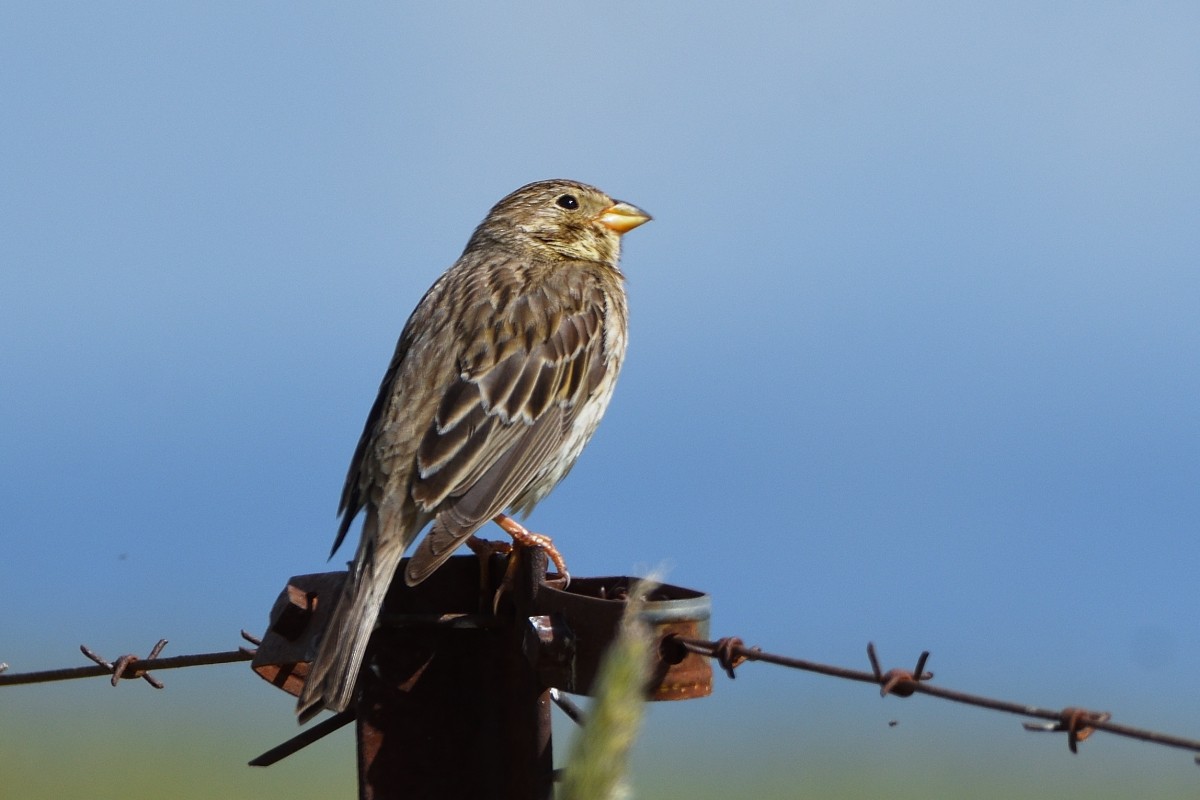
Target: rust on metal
(124,667)
(898,682)
(730,654)
(573,628)
(1078,723)
(299,615)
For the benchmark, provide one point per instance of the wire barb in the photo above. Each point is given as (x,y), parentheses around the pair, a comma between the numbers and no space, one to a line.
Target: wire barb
(124,667)
(252,639)
(1079,723)
(729,653)
(899,682)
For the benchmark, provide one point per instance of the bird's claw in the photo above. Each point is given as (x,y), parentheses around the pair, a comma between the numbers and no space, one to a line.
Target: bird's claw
(522,537)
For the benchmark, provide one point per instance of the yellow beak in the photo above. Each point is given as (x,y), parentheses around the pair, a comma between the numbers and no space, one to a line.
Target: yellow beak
(623,217)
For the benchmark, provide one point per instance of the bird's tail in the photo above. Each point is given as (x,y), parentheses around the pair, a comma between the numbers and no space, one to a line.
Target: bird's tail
(334,672)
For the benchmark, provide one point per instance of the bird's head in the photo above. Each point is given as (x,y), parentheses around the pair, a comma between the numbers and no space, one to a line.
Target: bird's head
(562,219)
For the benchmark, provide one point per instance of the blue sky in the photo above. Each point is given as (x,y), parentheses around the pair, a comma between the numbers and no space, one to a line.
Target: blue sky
(912,359)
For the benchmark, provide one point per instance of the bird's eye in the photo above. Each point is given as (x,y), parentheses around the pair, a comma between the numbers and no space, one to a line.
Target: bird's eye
(567,201)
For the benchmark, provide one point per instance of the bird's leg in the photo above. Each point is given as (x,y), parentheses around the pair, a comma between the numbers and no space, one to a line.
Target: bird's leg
(525,538)
(484,549)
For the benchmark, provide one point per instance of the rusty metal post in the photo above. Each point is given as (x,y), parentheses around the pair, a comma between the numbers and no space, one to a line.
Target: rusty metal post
(455,711)
(454,697)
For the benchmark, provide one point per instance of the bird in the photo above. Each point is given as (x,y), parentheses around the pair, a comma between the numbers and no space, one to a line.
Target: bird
(499,379)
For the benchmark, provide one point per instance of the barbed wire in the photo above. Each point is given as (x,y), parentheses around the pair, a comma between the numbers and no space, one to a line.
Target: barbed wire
(131,666)
(1077,723)
(729,653)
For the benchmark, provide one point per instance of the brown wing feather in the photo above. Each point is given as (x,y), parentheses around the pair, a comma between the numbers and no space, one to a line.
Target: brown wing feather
(472,465)
(494,490)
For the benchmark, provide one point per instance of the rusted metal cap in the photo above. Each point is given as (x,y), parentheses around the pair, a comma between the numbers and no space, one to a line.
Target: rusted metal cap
(298,617)
(571,629)
(564,635)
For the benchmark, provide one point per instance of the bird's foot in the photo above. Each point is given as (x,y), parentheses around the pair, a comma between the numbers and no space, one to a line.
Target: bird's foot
(526,538)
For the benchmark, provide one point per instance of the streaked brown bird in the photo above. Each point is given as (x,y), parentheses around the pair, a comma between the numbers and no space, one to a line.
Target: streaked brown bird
(499,379)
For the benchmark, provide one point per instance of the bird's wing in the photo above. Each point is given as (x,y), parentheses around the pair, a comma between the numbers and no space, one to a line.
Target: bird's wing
(498,427)
(354,492)
(364,474)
